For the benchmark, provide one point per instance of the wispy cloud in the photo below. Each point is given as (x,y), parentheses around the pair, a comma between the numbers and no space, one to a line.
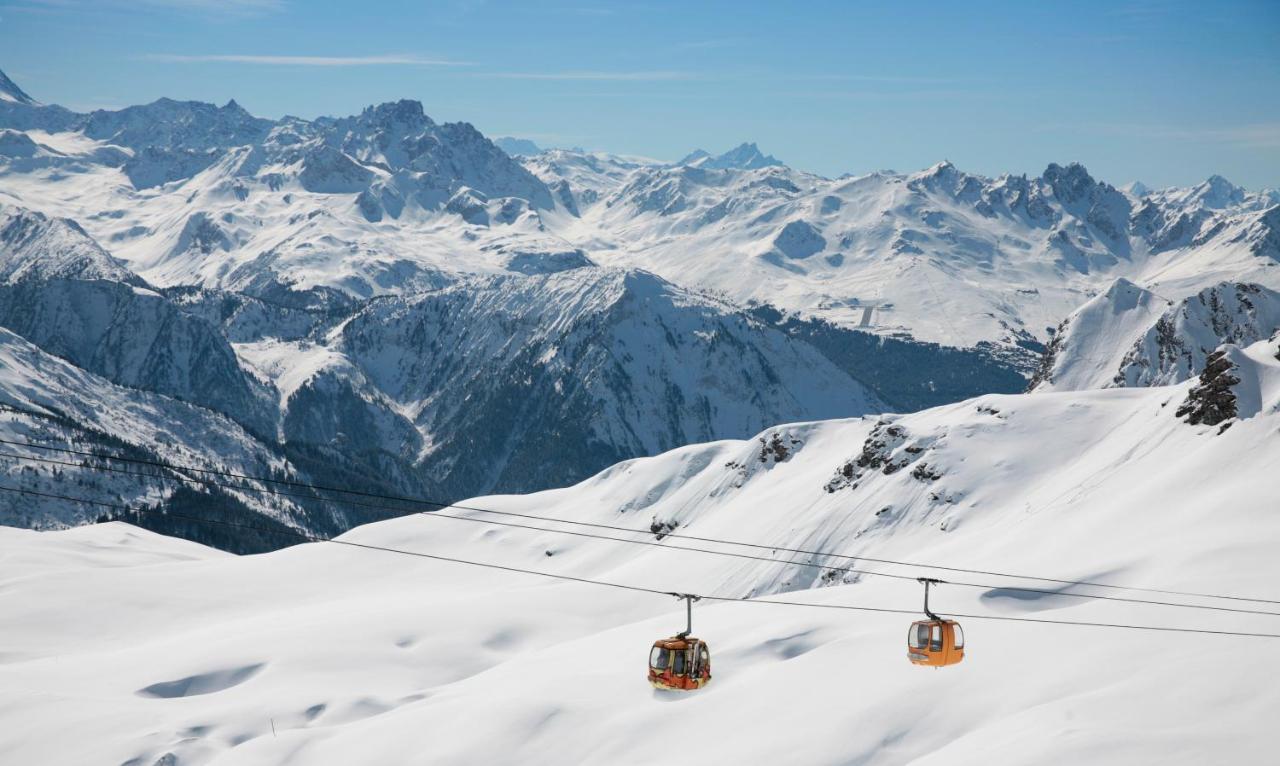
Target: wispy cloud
(386,59)
(884,78)
(720,42)
(1264,135)
(240,6)
(595,75)
(209,7)
(1143,10)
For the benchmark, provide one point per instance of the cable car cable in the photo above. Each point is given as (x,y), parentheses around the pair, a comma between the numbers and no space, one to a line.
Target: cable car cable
(653,544)
(622,586)
(634,530)
(675,535)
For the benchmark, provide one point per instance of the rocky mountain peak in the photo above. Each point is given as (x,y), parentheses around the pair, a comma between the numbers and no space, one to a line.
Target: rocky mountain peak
(9,91)
(1071,183)
(404,115)
(744,156)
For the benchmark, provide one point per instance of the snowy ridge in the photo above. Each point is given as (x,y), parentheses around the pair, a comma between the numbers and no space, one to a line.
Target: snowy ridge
(745,156)
(34,246)
(498,667)
(9,91)
(511,383)
(942,255)
(60,405)
(547,375)
(391,202)
(1132,337)
(135,337)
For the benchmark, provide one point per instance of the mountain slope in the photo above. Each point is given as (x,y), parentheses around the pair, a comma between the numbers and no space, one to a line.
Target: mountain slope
(135,337)
(1131,337)
(517,382)
(9,91)
(329,665)
(48,401)
(34,246)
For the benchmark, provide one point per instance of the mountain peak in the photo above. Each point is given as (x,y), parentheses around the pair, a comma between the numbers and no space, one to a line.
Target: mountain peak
(694,156)
(1136,189)
(1070,183)
(404,112)
(517,147)
(9,91)
(937,170)
(1217,191)
(744,156)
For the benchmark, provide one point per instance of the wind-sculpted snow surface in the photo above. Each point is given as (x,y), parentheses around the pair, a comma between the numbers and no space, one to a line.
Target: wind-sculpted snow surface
(154,650)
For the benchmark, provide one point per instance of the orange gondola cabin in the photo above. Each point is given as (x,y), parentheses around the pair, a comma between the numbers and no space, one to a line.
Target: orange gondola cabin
(935,642)
(682,662)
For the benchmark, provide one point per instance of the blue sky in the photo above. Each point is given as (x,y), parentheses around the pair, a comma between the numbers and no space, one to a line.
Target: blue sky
(1162,91)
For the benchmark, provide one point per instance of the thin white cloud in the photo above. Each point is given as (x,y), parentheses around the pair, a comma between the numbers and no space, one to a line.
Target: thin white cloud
(389,59)
(235,6)
(1264,135)
(209,7)
(722,42)
(595,76)
(884,78)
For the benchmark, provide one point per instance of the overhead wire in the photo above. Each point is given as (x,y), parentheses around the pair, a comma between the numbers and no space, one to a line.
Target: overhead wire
(674,535)
(649,543)
(671,534)
(623,586)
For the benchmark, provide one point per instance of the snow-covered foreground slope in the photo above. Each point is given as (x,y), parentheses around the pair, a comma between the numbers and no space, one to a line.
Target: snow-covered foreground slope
(149,648)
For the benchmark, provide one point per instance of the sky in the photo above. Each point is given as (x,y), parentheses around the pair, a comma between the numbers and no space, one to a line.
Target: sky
(1160,91)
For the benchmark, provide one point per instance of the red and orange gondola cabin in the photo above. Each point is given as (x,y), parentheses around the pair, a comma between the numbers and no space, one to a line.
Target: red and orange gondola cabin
(679,663)
(682,662)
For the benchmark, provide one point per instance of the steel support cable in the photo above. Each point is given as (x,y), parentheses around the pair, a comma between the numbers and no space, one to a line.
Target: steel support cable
(634,530)
(622,586)
(653,544)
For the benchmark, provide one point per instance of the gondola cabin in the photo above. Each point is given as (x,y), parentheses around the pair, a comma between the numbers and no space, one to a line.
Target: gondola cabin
(935,643)
(680,663)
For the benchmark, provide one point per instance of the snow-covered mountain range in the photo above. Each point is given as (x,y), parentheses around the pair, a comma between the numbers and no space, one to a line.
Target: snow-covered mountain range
(389,201)
(403,304)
